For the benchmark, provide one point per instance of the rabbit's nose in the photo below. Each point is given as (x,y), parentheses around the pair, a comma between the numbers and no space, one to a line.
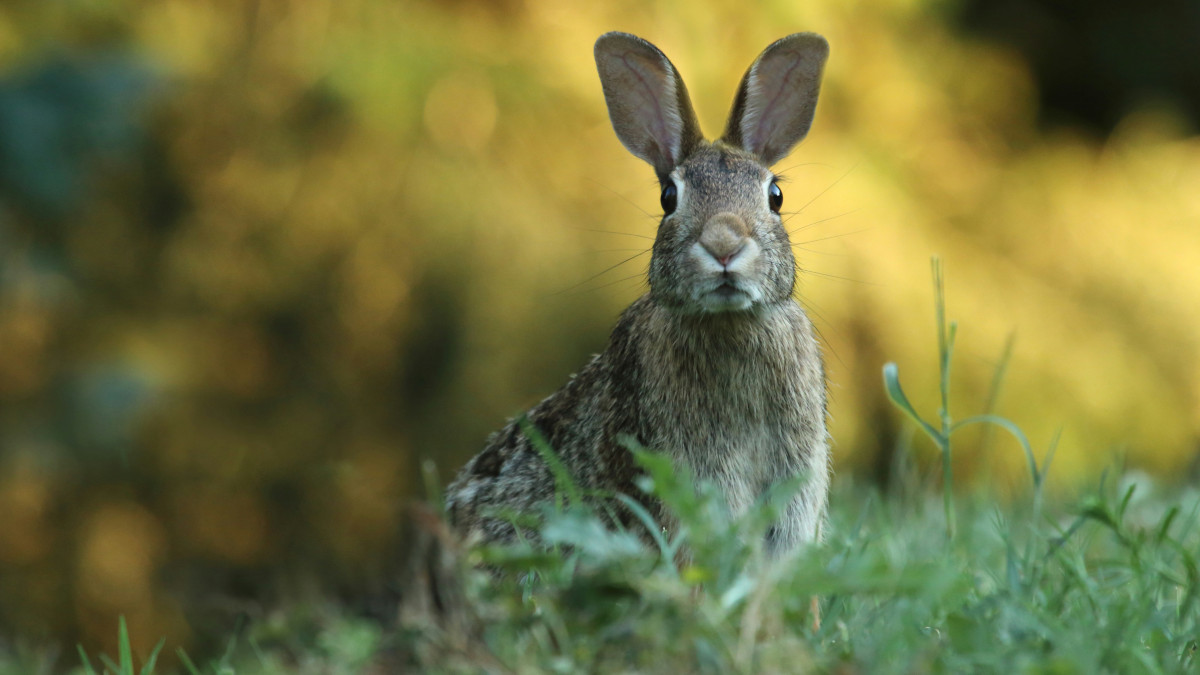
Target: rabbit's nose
(724,237)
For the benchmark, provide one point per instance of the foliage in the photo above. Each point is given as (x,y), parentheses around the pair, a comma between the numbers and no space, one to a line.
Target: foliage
(1108,585)
(125,665)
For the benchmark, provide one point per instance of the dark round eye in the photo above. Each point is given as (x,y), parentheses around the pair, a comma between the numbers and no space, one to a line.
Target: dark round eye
(668,199)
(775,197)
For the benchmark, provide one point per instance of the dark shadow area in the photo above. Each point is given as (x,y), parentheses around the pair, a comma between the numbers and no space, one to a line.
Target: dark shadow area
(1095,62)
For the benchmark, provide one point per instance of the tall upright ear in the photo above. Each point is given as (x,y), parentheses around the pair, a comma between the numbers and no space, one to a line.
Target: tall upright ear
(647,102)
(778,96)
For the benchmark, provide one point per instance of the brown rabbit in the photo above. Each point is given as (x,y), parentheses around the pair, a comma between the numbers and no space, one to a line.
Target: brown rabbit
(717,365)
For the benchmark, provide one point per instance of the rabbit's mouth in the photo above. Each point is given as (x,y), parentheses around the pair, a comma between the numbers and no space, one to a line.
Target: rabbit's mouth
(727,296)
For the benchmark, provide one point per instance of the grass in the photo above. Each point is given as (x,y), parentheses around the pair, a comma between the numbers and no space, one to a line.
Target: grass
(1107,585)
(910,581)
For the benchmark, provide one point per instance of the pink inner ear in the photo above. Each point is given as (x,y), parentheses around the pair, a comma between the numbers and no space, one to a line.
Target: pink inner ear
(645,76)
(771,106)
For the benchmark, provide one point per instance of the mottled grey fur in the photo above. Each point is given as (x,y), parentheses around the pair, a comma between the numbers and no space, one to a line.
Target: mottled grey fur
(717,365)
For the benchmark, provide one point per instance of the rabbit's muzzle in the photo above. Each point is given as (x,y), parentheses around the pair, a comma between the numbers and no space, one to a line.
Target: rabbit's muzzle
(725,258)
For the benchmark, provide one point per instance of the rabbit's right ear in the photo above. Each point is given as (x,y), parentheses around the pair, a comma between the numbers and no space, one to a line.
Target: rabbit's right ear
(647,102)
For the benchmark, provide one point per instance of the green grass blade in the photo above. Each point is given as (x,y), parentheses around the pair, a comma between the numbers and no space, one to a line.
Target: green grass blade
(639,511)
(187,662)
(1165,527)
(1050,452)
(87,664)
(1010,428)
(123,647)
(1190,522)
(1125,501)
(223,664)
(992,400)
(891,383)
(433,485)
(951,335)
(945,339)
(993,395)
(563,480)
(1193,576)
(148,667)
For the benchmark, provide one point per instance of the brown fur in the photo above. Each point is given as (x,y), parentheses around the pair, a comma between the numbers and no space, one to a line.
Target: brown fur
(717,365)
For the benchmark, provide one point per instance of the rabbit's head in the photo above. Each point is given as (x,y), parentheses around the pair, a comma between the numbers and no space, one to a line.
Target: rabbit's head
(721,245)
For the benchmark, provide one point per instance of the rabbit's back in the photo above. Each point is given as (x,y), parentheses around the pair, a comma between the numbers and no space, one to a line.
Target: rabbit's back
(581,423)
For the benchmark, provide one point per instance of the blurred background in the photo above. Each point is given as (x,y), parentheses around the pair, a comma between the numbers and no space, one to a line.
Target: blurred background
(260,260)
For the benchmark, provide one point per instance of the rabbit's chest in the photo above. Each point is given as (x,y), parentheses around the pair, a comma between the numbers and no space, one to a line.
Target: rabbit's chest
(740,415)
(742,428)
(742,403)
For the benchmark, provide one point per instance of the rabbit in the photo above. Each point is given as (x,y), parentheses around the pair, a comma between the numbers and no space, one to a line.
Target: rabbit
(717,366)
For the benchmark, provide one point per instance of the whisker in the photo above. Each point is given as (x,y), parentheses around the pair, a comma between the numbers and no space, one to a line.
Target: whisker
(625,234)
(816,310)
(832,236)
(802,244)
(797,166)
(831,186)
(813,250)
(834,276)
(817,222)
(612,283)
(627,199)
(601,273)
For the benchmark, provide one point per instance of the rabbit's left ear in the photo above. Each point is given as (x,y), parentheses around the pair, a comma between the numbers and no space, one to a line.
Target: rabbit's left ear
(777,98)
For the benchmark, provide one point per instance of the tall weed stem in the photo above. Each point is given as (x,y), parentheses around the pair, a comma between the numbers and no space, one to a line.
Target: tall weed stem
(941,436)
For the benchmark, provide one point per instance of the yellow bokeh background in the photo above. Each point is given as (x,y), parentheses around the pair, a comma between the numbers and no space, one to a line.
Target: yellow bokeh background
(360,234)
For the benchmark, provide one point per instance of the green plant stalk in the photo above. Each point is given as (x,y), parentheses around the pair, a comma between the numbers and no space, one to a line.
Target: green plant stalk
(565,485)
(941,437)
(891,382)
(945,351)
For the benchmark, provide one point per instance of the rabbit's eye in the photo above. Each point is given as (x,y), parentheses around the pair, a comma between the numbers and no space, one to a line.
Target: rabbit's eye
(668,199)
(775,197)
